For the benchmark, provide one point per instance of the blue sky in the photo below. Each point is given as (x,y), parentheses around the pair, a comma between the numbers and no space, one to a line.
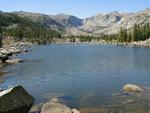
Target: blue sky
(80,8)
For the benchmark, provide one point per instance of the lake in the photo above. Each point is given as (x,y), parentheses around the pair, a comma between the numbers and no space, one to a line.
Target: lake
(85,75)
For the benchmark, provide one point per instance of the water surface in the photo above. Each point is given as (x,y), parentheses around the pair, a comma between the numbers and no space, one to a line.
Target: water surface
(87,75)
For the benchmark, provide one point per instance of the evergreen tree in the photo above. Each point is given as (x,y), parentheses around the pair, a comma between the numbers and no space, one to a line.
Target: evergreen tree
(122,35)
(129,37)
(1,33)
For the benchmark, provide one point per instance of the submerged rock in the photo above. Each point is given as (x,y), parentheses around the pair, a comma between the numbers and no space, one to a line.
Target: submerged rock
(55,107)
(15,100)
(15,60)
(132,88)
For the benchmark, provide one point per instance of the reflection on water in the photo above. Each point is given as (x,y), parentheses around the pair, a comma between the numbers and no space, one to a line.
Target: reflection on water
(88,75)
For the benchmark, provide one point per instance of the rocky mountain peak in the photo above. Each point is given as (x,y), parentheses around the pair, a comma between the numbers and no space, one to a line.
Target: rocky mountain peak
(147,11)
(67,20)
(62,15)
(114,13)
(108,23)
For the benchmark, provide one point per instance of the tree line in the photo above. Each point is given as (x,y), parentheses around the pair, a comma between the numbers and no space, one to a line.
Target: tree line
(137,33)
(22,28)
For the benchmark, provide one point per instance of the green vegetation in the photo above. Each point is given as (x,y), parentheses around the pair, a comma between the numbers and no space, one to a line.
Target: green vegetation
(22,28)
(137,33)
(1,37)
(82,38)
(25,29)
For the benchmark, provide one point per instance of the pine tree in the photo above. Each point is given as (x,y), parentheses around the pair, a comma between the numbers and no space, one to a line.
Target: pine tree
(129,37)
(1,33)
(122,35)
(134,33)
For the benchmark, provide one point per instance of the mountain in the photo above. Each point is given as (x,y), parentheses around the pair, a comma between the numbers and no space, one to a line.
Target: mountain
(57,22)
(112,22)
(109,23)
(20,28)
(67,20)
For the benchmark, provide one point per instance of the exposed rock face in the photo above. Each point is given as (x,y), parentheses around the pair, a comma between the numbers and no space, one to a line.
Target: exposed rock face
(132,88)
(109,23)
(15,100)
(59,21)
(67,20)
(55,107)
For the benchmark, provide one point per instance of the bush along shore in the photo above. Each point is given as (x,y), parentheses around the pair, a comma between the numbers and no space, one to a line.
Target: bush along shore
(99,41)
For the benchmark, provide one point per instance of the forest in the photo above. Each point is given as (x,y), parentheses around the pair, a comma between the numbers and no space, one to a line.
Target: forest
(22,28)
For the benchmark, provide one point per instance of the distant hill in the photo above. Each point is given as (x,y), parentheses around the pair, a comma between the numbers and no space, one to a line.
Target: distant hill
(64,24)
(23,28)
(109,23)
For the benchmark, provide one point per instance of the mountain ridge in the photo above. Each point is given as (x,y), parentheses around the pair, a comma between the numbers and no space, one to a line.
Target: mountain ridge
(108,23)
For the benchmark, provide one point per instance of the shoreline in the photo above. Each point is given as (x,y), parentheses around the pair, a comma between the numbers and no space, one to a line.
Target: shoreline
(145,43)
(94,43)
(19,47)
(8,54)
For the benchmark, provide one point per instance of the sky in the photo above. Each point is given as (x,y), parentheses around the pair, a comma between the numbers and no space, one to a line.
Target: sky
(79,8)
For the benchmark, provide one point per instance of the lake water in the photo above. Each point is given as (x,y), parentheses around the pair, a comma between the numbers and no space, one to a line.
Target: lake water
(87,76)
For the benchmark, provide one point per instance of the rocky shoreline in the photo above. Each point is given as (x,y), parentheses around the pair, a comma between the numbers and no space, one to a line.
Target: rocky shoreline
(145,43)
(7,52)
(10,48)
(54,105)
(18,100)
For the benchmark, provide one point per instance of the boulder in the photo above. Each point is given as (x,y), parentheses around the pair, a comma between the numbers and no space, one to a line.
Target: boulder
(132,88)
(10,51)
(3,58)
(15,100)
(55,107)
(36,108)
(75,111)
(15,60)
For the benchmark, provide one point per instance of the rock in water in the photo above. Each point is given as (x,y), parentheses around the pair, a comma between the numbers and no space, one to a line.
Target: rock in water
(75,111)
(15,100)
(132,88)
(55,107)
(15,60)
